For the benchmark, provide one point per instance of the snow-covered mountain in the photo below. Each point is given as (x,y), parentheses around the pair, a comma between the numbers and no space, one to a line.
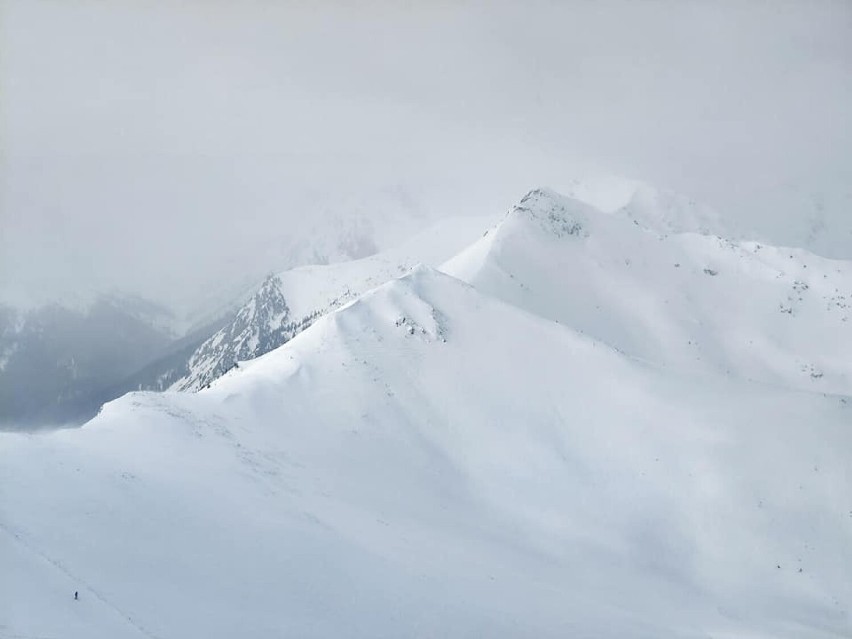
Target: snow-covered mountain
(690,301)
(287,303)
(326,227)
(432,461)
(494,458)
(59,364)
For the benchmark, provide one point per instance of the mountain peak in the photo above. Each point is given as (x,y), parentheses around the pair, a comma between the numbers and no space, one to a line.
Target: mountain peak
(262,324)
(556,214)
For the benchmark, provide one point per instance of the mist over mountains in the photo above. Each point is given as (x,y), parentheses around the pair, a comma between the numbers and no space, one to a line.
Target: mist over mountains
(585,422)
(517,319)
(61,364)
(148,170)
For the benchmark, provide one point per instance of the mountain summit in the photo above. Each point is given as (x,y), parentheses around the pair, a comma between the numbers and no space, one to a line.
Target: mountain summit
(692,302)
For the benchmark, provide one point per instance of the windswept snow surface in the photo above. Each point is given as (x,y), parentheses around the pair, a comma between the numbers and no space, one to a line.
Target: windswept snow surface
(430,461)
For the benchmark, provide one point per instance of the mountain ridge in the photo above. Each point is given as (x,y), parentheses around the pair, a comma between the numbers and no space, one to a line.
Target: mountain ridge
(436,450)
(297,297)
(687,300)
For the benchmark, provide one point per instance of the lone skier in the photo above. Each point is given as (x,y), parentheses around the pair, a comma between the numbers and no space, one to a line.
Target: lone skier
(76,595)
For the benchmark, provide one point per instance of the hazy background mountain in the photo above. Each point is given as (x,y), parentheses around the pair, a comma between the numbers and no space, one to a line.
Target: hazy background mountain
(258,137)
(172,151)
(60,362)
(56,361)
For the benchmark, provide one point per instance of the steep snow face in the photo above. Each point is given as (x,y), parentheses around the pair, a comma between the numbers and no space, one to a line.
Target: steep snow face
(689,301)
(429,461)
(291,301)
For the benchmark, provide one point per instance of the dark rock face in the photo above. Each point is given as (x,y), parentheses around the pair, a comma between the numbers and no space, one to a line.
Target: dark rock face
(261,325)
(548,209)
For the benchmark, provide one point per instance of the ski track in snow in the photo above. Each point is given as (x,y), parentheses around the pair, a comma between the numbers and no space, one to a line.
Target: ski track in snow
(27,546)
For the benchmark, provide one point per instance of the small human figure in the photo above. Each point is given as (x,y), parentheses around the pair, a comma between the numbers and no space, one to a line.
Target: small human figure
(76,595)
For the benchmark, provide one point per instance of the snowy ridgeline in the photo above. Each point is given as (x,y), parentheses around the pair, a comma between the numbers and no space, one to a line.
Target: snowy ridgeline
(644,281)
(688,301)
(605,430)
(289,302)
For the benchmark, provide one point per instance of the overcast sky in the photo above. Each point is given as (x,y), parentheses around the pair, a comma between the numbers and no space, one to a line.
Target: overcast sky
(146,144)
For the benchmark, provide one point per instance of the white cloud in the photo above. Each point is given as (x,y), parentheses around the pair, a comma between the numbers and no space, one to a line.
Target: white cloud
(143,143)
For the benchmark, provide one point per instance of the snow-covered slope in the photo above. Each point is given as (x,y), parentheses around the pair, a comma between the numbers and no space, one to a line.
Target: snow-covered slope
(428,461)
(690,301)
(287,303)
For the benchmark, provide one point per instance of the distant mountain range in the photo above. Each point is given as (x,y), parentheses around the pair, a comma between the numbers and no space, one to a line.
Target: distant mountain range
(55,362)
